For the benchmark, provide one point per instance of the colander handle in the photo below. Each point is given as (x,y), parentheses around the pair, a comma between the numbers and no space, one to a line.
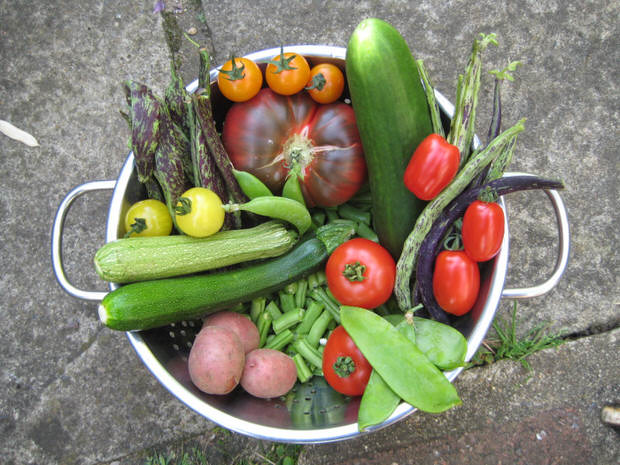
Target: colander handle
(563,251)
(57,232)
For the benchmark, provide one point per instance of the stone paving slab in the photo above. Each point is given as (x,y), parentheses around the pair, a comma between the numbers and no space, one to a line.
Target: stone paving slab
(74,392)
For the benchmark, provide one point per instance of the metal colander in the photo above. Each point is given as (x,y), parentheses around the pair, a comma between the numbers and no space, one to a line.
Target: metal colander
(312,412)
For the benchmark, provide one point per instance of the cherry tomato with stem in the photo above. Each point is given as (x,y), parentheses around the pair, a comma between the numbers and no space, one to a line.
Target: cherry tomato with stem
(287,73)
(432,166)
(326,83)
(199,212)
(456,281)
(344,366)
(483,230)
(148,217)
(361,273)
(239,79)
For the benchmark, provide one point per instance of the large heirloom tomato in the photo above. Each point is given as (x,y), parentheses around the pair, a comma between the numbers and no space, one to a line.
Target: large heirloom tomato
(273,135)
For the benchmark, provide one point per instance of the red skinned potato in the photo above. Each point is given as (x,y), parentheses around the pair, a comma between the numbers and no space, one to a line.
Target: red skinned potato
(268,373)
(216,360)
(240,324)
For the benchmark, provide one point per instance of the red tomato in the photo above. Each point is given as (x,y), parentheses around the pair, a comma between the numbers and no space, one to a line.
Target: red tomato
(326,83)
(272,135)
(361,273)
(239,79)
(344,366)
(433,165)
(287,73)
(456,281)
(483,230)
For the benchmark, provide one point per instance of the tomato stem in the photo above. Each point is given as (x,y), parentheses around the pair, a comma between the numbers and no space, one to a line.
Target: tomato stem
(344,366)
(236,73)
(185,206)
(354,271)
(318,82)
(282,63)
(137,227)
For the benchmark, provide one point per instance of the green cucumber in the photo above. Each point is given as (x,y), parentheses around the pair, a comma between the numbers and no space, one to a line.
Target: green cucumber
(393,117)
(144,258)
(150,304)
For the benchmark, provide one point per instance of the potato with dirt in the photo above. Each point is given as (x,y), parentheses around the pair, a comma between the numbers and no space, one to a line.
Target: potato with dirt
(268,373)
(240,324)
(216,360)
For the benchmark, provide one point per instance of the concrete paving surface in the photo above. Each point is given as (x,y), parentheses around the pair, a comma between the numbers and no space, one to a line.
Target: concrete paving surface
(74,392)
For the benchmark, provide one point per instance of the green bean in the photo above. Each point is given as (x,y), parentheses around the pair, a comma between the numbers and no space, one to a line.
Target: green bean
(432,211)
(332,306)
(313,311)
(273,310)
(287,301)
(287,320)
(365,231)
(280,208)
(291,288)
(303,372)
(318,218)
(264,324)
(309,353)
(462,125)
(430,98)
(349,212)
(300,293)
(400,363)
(332,213)
(257,307)
(279,341)
(292,189)
(318,328)
(251,185)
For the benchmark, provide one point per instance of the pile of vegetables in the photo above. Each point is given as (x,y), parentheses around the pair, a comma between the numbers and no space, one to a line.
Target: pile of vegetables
(314,237)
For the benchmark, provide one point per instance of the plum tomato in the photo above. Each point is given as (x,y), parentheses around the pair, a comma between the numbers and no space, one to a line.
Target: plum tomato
(456,281)
(148,217)
(239,79)
(433,165)
(287,73)
(199,212)
(326,83)
(361,273)
(344,366)
(483,230)
(273,135)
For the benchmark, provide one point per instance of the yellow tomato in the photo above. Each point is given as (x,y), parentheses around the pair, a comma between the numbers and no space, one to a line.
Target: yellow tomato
(148,218)
(199,212)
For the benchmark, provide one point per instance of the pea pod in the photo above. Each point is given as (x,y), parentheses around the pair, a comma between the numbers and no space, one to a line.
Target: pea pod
(379,401)
(403,366)
(251,185)
(442,344)
(292,188)
(280,208)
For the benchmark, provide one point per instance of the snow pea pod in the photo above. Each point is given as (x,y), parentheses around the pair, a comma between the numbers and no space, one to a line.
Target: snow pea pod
(379,401)
(442,344)
(400,363)
(251,185)
(280,208)
(292,189)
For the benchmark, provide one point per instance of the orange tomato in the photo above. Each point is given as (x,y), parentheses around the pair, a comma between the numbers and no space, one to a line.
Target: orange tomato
(239,79)
(326,83)
(287,73)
